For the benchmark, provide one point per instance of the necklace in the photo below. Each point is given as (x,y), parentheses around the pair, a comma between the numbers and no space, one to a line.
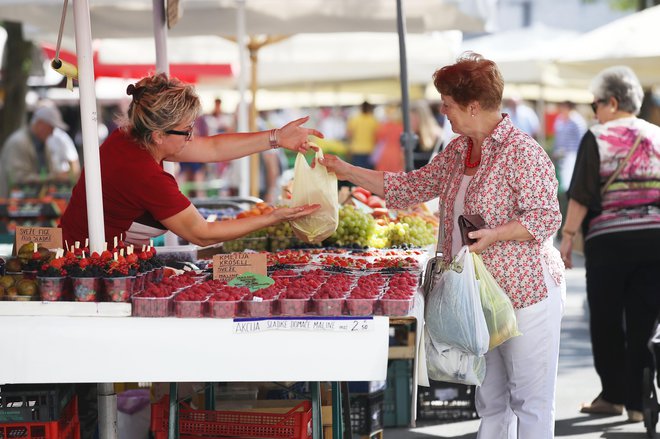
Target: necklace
(468,155)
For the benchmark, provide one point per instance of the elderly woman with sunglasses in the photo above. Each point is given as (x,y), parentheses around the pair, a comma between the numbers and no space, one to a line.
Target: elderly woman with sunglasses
(140,199)
(621,225)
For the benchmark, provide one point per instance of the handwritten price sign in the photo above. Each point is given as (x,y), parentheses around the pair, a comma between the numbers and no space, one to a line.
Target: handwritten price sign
(335,324)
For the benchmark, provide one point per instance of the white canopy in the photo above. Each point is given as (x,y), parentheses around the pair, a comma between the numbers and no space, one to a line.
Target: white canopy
(524,55)
(631,40)
(132,18)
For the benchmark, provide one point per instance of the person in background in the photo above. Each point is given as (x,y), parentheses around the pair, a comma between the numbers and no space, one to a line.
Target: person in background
(216,121)
(494,169)
(361,131)
(193,174)
(39,153)
(621,225)
(388,155)
(569,127)
(428,131)
(272,164)
(332,123)
(522,116)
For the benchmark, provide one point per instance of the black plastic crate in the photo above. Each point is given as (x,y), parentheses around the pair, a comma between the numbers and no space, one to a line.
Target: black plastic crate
(366,412)
(446,402)
(34,402)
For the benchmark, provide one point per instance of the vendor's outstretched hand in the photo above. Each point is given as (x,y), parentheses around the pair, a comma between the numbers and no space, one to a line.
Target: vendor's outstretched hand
(290,213)
(295,137)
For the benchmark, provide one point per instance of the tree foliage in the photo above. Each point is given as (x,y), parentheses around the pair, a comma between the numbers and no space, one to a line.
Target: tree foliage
(16,69)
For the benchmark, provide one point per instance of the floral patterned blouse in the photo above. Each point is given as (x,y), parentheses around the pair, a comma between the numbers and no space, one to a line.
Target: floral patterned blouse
(516,181)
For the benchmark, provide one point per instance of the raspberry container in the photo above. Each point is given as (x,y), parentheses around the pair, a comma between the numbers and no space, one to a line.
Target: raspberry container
(190,308)
(360,307)
(151,306)
(224,309)
(294,307)
(329,307)
(259,308)
(396,307)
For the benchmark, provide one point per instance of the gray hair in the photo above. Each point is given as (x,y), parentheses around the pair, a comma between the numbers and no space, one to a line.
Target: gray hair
(620,83)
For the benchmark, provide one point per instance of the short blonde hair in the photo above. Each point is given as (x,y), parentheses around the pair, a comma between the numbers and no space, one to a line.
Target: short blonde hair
(159,104)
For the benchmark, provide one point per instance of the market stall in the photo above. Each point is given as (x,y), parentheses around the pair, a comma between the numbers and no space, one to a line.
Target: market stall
(338,331)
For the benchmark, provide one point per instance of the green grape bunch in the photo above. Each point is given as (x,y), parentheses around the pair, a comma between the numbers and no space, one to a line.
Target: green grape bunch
(355,228)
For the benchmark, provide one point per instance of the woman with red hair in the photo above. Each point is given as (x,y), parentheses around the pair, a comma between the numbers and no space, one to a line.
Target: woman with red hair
(497,171)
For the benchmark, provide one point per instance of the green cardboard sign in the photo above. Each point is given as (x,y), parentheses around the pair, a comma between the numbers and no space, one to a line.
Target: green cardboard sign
(251,280)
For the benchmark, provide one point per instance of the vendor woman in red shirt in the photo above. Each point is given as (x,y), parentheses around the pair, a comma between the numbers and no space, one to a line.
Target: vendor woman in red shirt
(140,199)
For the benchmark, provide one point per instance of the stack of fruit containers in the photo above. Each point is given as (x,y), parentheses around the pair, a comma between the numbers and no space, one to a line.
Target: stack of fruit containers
(156,300)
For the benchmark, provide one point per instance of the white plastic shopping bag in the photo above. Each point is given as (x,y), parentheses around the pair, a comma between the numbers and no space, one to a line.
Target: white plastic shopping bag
(315,186)
(452,365)
(453,313)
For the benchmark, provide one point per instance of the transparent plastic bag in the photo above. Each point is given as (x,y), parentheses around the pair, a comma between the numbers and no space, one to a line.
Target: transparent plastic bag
(452,365)
(315,186)
(498,310)
(453,311)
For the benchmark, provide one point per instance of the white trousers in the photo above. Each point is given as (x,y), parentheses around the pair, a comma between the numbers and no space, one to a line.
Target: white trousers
(517,397)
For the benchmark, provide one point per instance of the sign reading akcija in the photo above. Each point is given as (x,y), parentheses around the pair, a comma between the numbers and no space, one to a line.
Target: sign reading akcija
(333,324)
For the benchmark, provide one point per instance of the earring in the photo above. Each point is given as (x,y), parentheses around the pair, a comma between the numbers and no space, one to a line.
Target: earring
(472,114)
(611,110)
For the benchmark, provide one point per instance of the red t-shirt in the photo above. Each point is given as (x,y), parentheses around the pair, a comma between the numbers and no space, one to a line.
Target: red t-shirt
(137,194)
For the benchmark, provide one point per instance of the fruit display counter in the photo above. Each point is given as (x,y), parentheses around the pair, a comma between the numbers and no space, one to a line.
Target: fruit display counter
(114,349)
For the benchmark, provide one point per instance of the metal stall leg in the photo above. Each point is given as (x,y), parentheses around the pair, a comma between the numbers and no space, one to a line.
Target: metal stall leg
(317,421)
(107,411)
(337,421)
(346,406)
(209,396)
(173,431)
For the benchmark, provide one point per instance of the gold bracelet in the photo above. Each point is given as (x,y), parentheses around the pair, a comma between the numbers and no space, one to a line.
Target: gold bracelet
(569,233)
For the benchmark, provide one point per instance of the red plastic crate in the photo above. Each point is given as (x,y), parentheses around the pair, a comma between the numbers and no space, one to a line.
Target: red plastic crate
(210,424)
(67,427)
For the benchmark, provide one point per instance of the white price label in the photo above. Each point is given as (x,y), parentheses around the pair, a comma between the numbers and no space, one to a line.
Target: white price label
(336,324)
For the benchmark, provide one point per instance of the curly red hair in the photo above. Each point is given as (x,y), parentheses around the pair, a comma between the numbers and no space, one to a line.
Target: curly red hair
(471,78)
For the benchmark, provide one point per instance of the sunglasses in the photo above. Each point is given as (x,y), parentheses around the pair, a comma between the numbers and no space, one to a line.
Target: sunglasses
(188,133)
(594,104)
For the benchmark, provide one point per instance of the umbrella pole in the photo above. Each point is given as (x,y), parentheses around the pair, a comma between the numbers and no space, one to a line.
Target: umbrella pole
(242,120)
(163,66)
(408,138)
(254,158)
(107,400)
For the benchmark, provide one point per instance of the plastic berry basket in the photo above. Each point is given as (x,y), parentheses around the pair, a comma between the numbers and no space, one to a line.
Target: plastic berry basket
(294,307)
(329,307)
(190,308)
(224,309)
(396,307)
(259,308)
(361,306)
(151,306)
